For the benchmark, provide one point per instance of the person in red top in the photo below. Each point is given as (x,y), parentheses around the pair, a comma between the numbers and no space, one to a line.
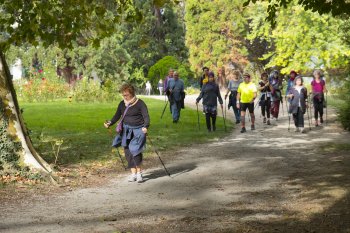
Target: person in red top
(318,86)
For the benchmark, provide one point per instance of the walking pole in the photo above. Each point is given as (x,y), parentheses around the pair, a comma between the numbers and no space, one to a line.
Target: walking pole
(308,117)
(156,151)
(225,107)
(310,109)
(166,104)
(120,157)
(288,114)
(223,117)
(199,127)
(326,108)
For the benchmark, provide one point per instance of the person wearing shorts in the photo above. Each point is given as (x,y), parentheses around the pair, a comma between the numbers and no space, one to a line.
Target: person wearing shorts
(246,95)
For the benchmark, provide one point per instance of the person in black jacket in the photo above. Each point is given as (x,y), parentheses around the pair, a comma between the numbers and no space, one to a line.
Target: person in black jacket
(265,97)
(210,94)
(132,127)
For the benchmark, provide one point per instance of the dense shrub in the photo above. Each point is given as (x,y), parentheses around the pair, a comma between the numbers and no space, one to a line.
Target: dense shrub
(344,109)
(86,90)
(42,86)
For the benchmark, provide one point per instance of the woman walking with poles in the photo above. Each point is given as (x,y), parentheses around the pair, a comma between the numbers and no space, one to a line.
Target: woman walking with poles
(233,87)
(276,84)
(132,128)
(318,86)
(298,103)
(265,97)
(211,94)
(246,95)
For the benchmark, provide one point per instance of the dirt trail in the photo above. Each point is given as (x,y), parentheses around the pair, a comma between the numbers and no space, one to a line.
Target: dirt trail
(267,180)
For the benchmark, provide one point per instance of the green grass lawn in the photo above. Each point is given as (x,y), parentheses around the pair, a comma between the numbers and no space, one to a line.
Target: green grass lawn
(85,140)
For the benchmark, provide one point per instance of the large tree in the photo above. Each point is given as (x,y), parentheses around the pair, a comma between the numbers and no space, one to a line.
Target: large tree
(301,39)
(47,21)
(215,33)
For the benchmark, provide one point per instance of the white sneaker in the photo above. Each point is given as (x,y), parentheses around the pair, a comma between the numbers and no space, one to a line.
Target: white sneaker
(139,178)
(132,178)
(297,129)
(302,130)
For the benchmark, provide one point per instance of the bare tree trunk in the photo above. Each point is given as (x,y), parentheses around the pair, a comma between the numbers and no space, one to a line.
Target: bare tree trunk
(16,129)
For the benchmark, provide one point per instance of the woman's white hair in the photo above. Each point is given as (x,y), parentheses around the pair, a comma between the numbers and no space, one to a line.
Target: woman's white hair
(317,72)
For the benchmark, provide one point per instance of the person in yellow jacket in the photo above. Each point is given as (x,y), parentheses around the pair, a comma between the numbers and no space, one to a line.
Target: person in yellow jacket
(246,95)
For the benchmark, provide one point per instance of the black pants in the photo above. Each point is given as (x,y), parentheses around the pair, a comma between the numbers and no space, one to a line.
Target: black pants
(213,119)
(318,107)
(133,161)
(265,107)
(299,118)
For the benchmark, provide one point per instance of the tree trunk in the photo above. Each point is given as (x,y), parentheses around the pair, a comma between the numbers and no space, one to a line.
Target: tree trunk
(16,129)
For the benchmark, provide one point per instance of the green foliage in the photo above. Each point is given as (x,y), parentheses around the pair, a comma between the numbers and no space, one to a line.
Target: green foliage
(110,61)
(302,40)
(344,109)
(137,77)
(61,21)
(42,86)
(192,90)
(8,147)
(161,33)
(161,68)
(336,8)
(214,34)
(88,90)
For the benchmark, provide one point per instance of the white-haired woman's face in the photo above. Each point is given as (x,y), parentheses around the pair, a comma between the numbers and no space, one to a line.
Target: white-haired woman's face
(317,75)
(298,82)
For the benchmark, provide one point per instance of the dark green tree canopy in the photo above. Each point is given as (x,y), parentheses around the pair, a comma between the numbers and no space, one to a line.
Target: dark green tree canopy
(61,21)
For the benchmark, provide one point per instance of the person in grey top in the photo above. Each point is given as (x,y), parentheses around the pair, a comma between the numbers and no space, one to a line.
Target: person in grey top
(233,87)
(176,88)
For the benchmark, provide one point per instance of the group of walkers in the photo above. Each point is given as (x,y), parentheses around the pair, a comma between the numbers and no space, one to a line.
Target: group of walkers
(133,118)
(243,93)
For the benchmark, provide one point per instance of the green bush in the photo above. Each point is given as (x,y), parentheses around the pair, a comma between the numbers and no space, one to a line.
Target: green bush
(42,86)
(161,68)
(192,90)
(86,90)
(344,109)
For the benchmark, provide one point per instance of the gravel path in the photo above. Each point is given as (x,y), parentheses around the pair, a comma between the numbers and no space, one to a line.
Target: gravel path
(267,180)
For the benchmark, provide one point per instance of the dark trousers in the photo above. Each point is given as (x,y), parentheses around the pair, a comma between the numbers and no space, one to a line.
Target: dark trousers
(133,161)
(265,107)
(175,110)
(318,107)
(213,119)
(299,118)
(275,108)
